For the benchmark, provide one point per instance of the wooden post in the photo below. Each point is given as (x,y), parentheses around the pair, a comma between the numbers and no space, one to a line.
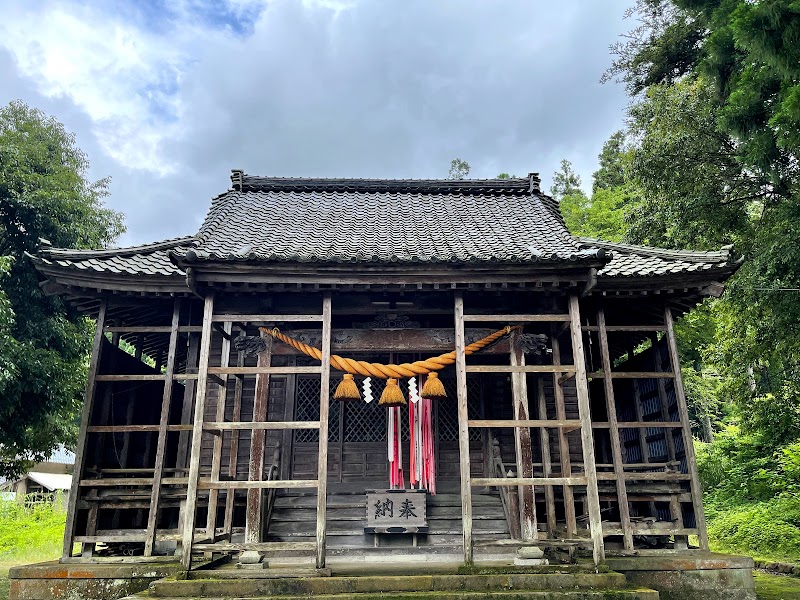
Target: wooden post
(197,435)
(663,398)
(522,442)
(616,445)
(463,430)
(324,406)
(253,517)
(547,464)
(233,471)
(80,449)
(587,439)
(161,445)
(563,441)
(686,429)
(216,453)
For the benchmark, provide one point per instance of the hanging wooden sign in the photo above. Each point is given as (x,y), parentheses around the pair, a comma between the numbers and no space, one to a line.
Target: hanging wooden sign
(397,511)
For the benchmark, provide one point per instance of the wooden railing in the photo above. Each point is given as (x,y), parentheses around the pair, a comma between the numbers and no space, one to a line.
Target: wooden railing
(273,474)
(508,495)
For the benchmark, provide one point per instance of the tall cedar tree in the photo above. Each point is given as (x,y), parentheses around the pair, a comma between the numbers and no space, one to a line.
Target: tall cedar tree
(44,343)
(716,118)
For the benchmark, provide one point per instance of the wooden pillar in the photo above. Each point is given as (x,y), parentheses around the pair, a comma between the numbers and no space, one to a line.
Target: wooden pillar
(216,453)
(587,438)
(190,385)
(522,442)
(197,435)
(233,471)
(547,464)
(255,497)
(463,430)
(616,444)
(563,440)
(686,429)
(663,398)
(161,445)
(324,406)
(80,449)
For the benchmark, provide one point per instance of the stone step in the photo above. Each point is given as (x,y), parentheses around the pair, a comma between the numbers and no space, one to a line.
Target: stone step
(622,594)
(544,579)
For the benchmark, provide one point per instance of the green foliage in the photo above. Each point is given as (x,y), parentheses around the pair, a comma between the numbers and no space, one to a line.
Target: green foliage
(44,193)
(769,528)
(459,169)
(565,182)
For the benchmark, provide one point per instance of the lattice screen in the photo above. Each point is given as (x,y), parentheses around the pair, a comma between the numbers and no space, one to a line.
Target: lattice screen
(447,410)
(307,409)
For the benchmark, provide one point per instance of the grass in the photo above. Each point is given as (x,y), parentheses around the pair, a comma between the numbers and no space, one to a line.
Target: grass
(777,587)
(28,534)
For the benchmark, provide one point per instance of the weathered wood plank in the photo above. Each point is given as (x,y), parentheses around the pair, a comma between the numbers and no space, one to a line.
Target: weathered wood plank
(216,449)
(516,318)
(499,423)
(264,370)
(633,375)
(254,511)
(324,407)
(80,449)
(463,429)
(233,455)
(522,442)
(529,481)
(587,439)
(520,368)
(161,445)
(274,484)
(197,434)
(270,425)
(616,444)
(563,442)
(688,441)
(267,318)
(547,465)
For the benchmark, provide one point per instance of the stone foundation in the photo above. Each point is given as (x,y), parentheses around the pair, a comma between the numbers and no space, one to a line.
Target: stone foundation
(691,575)
(52,580)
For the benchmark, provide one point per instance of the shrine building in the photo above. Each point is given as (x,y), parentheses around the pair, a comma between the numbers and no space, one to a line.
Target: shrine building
(339,370)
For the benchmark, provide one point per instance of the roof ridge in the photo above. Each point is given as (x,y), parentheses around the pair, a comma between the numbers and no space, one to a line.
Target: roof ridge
(687,255)
(70,253)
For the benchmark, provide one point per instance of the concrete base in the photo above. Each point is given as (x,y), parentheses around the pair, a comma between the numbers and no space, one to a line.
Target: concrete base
(691,575)
(75,581)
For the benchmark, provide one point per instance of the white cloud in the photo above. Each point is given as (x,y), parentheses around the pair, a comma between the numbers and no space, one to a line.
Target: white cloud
(174,94)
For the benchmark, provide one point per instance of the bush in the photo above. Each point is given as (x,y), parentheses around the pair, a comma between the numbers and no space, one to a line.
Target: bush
(30,532)
(770,528)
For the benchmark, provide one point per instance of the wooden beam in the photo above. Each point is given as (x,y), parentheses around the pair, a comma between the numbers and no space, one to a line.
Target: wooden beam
(197,434)
(161,445)
(688,439)
(638,424)
(324,407)
(587,439)
(463,430)
(547,465)
(270,425)
(563,441)
(267,318)
(528,481)
(522,442)
(216,451)
(264,369)
(633,375)
(520,368)
(552,423)
(516,318)
(616,444)
(254,512)
(80,449)
(233,456)
(271,484)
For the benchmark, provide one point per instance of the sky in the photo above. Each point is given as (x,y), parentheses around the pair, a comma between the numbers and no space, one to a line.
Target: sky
(167,96)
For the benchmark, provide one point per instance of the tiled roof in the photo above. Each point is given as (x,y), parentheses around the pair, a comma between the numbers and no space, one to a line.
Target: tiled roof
(385,221)
(148,259)
(630,260)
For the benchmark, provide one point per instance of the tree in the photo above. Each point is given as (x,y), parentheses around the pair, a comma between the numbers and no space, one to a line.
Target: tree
(44,194)
(565,182)
(716,119)
(459,169)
